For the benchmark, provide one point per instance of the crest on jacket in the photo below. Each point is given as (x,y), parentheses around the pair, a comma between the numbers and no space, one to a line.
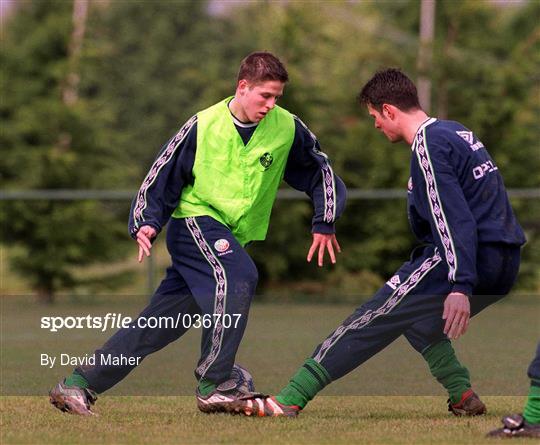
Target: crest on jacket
(266,160)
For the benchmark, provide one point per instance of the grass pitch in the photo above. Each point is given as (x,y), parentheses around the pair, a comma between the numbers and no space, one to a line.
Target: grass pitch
(327,420)
(390,399)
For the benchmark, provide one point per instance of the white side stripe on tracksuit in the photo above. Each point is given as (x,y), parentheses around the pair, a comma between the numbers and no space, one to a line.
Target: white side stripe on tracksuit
(220,296)
(160,162)
(435,204)
(328,179)
(395,298)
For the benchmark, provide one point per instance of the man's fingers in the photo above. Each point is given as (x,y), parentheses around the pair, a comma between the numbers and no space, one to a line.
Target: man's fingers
(445,312)
(311,251)
(144,247)
(144,236)
(141,237)
(459,325)
(322,243)
(321,254)
(463,324)
(460,330)
(449,320)
(336,244)
(454,328)
(331,252)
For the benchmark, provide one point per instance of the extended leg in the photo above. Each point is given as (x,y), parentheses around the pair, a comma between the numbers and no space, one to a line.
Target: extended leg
(368,330)
(170,299)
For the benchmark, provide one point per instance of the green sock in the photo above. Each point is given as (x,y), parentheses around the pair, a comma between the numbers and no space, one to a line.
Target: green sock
(206,386)
(75,379)
(305,384)
(532,408)
(445,367)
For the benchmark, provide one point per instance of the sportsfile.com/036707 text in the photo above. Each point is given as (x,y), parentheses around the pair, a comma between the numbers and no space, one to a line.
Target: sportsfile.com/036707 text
(118,321)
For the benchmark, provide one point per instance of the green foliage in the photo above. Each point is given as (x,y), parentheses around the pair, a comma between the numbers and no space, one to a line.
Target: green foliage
(486,61)
(327,68)
(50,145)
(146,67)
(149,66)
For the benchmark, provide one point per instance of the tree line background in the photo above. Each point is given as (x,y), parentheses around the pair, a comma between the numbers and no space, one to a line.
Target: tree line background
(90,95)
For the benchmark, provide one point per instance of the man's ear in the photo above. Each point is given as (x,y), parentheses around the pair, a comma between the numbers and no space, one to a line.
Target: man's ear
(388,111)
(242,86)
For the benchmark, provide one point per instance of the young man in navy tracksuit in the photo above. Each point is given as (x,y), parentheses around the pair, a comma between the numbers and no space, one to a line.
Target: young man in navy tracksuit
(215,182)
(469,258)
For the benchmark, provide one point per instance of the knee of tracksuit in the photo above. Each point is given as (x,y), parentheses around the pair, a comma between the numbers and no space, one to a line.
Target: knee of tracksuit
(246,282)
(241,290)
(422,343)
(252,276)
(425,333)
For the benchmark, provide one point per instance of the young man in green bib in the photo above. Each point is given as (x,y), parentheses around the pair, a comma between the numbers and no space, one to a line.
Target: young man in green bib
(216,181)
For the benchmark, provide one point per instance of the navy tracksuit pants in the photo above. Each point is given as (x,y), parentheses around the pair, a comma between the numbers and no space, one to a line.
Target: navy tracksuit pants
(210,274)
(411,304)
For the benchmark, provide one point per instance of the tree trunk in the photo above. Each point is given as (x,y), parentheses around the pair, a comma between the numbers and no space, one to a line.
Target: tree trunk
(425,53)
(70,89)
(442,99)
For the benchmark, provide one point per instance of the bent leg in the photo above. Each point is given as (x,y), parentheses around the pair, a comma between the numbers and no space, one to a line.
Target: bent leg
(497,267)
(222,278)
(427,337)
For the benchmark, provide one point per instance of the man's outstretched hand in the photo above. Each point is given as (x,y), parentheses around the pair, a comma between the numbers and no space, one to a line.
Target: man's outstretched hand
(144,240)
(321,243)
(457,311)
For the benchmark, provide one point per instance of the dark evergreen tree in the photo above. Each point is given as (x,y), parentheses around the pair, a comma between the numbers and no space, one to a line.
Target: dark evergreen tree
(50,142)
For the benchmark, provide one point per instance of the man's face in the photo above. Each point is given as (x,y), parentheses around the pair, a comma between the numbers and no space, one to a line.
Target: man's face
(257,99)
(386,122)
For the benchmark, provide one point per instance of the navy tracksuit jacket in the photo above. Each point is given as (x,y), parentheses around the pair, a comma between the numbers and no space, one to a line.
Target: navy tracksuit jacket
(459,209)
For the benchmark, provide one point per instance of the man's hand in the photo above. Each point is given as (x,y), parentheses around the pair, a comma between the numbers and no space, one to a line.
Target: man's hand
(457,311)
(321,242)
(144,237)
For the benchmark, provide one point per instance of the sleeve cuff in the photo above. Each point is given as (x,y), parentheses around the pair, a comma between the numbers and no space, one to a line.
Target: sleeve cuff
(463,288)
(133,230)
(322,227)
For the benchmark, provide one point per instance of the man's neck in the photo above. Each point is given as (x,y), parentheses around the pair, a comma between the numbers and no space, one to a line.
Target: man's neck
(237,111)
(411,123)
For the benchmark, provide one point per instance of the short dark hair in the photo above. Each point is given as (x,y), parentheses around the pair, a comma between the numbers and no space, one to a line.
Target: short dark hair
(390,86)
(262,66)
